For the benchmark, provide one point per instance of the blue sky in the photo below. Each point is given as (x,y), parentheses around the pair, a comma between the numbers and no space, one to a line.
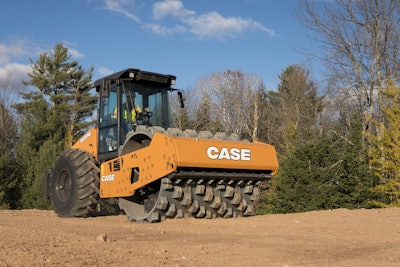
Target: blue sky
(189,39)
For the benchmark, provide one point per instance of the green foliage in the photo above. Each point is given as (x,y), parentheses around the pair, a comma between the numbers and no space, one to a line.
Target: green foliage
(385,151)
(304,178)
(327,172)
(320,168)
(386,194)
(40,127)
(40,162)
(38,121)
(9,193)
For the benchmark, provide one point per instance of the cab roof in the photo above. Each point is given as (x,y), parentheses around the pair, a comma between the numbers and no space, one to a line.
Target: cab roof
(138,76)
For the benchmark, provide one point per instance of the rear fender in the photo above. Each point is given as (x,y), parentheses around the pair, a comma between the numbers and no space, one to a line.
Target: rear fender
(135,141)
(88,142)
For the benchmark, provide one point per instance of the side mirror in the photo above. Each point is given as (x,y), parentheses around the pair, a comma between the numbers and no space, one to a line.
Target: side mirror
(105,88)
(180,95)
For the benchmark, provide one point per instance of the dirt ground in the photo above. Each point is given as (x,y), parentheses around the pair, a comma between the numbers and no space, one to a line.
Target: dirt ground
(320,238)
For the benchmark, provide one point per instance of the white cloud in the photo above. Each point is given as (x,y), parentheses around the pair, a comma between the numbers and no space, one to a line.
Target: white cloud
(213,25)
(14,73)
(205,26)
(163,30)
(72,51)
(171,7)
(13,50)
(121,7)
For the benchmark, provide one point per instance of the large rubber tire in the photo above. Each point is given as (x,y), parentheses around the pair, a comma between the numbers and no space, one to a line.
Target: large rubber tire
(75,184)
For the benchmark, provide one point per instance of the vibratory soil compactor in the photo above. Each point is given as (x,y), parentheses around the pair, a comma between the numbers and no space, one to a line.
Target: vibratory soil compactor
(153,171)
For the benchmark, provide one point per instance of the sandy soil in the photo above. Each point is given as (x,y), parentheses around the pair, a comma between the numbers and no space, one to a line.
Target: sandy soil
(324,238)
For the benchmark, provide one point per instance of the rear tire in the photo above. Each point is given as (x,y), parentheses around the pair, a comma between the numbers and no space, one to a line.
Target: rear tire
(75,184)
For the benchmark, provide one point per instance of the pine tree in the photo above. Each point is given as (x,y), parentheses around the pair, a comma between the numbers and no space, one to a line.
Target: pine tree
(290,124)
(293,108)
(51,117)
(67,85)
(385,150)
(330,171)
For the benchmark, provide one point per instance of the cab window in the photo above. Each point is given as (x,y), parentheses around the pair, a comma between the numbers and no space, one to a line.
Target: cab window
(108,132)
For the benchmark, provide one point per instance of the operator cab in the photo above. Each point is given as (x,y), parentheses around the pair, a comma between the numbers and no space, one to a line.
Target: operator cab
(130,98)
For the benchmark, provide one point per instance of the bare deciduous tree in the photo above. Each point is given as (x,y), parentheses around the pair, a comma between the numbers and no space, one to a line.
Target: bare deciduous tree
(232,98)
(361,40)
(181,116)
(8,96)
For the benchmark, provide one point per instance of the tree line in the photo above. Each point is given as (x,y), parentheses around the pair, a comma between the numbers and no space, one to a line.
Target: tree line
(338,142)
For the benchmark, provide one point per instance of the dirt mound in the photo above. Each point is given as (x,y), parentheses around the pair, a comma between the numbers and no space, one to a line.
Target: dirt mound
(325,238)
